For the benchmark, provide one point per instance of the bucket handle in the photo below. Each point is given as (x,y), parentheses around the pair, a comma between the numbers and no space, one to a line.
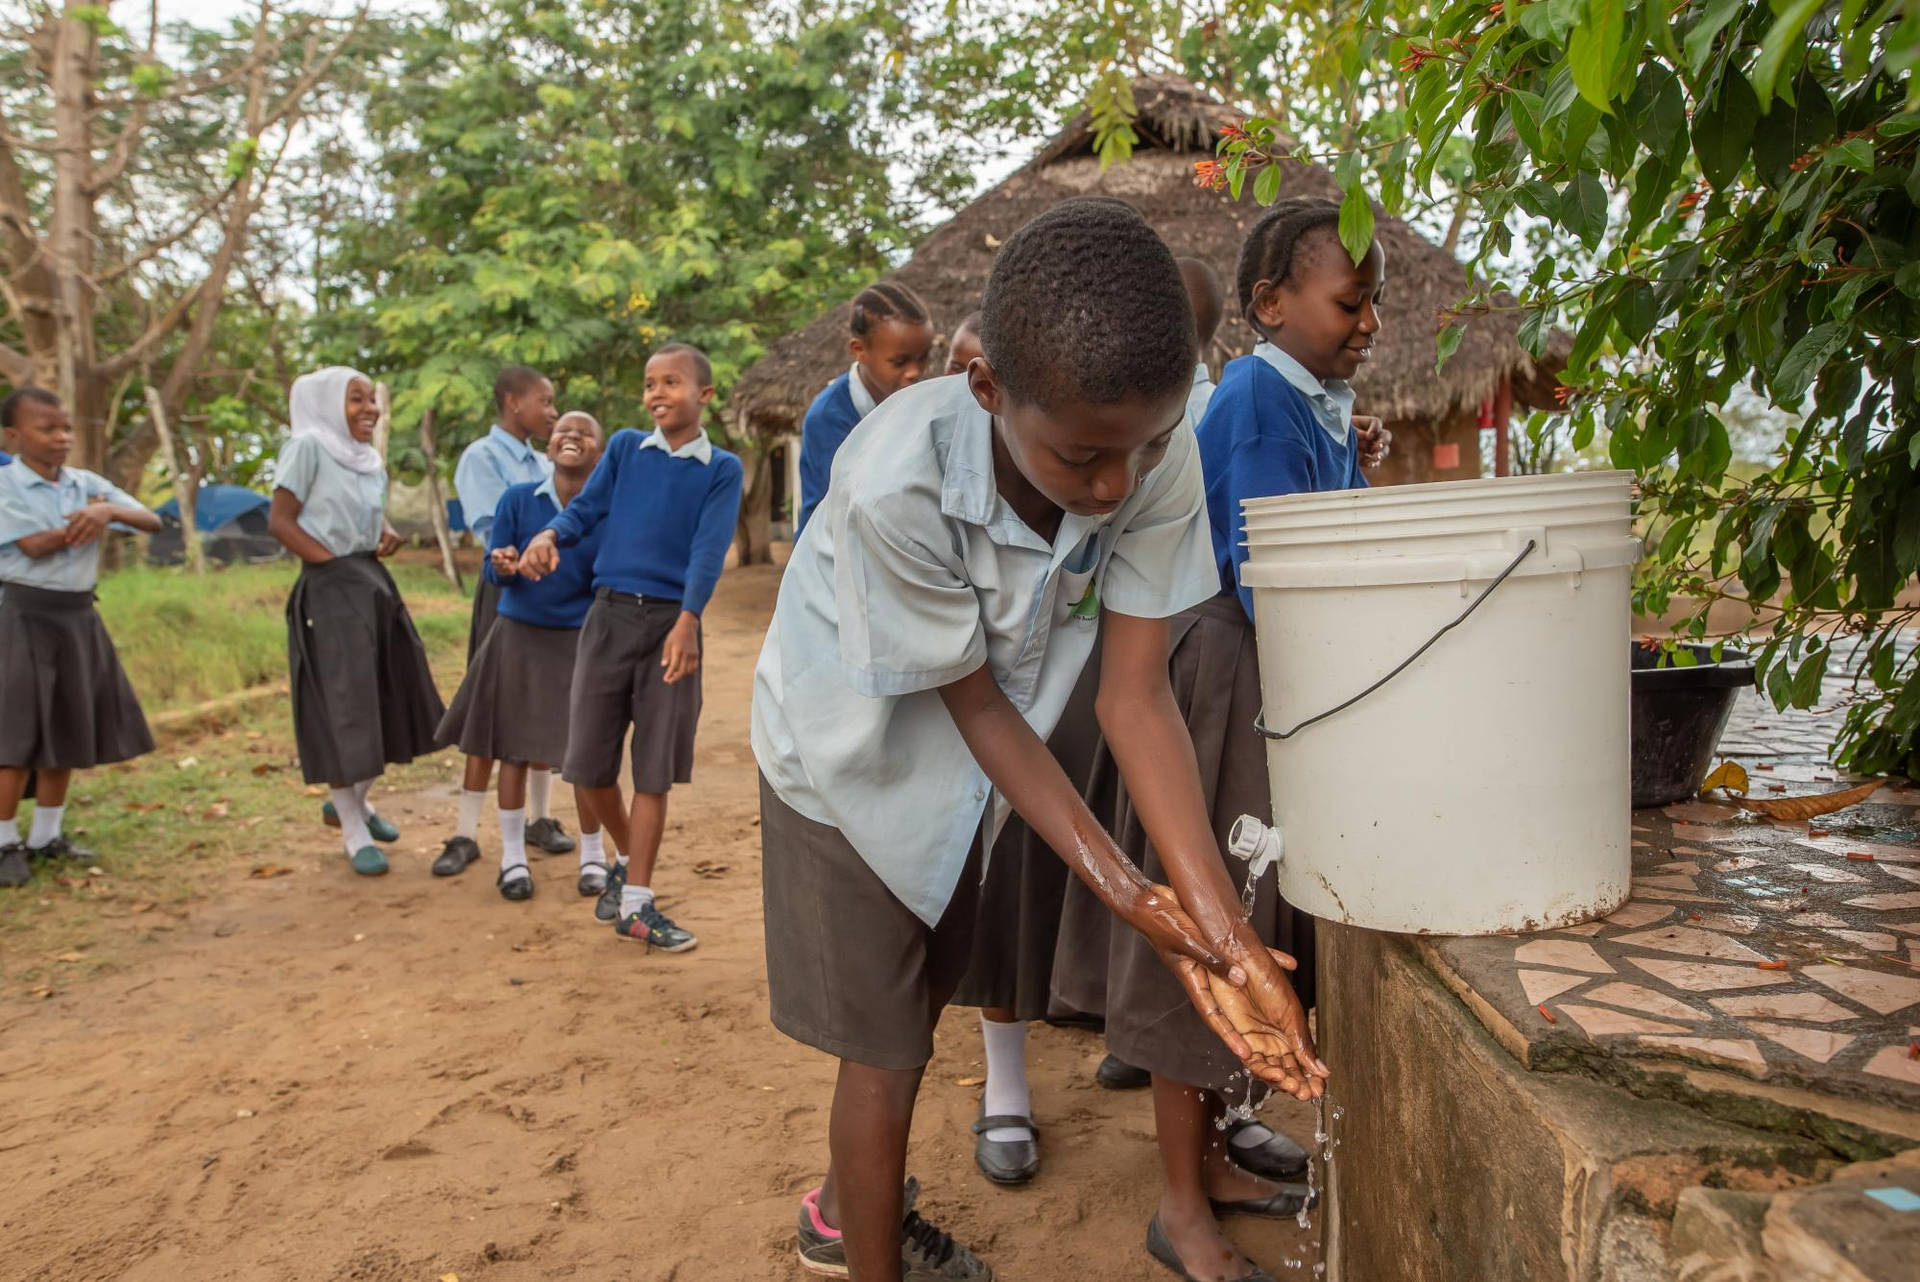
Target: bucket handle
(1259,723)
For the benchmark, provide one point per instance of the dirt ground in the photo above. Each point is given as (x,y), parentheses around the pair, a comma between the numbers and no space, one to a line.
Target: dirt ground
(324,1077)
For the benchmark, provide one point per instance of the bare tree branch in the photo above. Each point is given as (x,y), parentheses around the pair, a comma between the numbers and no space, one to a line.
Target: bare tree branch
(17,236)
(159,244)
(290,101)
(132,354)
(15,367)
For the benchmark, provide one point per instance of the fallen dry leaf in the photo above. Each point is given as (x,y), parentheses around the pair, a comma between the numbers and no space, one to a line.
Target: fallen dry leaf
(969,1081)
(141,908)
(187,763)
(43,992)
(710,868)
(71,957)
(1826,803)
(1728,775)
(319,790)
(264,871)
(146,807)
(266,768)
(218,810)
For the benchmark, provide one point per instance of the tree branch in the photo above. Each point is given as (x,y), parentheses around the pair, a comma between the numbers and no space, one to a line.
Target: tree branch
(135,352)
(313,72)
(161,243)
(15,367)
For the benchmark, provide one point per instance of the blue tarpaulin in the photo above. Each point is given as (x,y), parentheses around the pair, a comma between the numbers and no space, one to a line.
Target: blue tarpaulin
(217,505)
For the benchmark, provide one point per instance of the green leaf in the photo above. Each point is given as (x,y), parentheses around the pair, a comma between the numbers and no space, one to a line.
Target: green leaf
(1356,221)
(1448,343)
(1593,51)
(1854,153)
(1657,109)
(1781,39)
(1699,44)
(1266,185)
(1583,208)
(1525,109)
(1723,129)
(1805,689)
(1804,360)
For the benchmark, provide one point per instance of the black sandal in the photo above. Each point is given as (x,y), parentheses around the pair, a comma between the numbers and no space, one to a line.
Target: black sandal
(515,888)
(1282,1204)
(1162,1250)
(1007,1162)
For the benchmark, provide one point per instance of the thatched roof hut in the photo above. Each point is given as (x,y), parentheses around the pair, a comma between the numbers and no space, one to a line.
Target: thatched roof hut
(1178,124)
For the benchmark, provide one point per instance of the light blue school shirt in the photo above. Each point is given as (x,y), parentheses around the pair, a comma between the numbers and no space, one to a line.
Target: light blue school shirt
(340,507)
(1202,393)
(29,504)
(916,572)
(487,467)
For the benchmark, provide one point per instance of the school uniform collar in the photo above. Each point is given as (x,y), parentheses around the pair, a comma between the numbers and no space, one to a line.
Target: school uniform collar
(522,450)
(968,493)
(699,449)
(550,491)
(863,402)
(1201,374)
(30,478)
(1333,396)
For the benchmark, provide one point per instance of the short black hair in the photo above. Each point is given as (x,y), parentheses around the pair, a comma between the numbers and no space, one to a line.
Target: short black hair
(1272,247)
(886,300)
(1085,303)
(701,365)
(971,321)
(10,408)
(1206,293)
(512,381)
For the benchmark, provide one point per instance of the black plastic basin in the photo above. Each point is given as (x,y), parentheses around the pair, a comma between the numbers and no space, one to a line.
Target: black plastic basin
(1678,717)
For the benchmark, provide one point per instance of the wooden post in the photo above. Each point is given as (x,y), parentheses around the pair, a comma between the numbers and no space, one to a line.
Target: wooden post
(382,429)
(186,483)
(437,504)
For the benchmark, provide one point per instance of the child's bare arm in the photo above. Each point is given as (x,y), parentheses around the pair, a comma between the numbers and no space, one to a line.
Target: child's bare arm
(1019,765)
(283,522)
(43,544)
(1150,743)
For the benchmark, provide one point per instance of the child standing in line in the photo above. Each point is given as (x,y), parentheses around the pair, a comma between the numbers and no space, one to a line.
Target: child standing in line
(666,504)
(1279,424)
(505,456)
(363,695)
(505,709)
(965,344)
(891,340)
(65,702)
(979,531)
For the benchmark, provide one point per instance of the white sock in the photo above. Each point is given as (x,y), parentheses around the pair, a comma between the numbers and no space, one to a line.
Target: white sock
(353,819)
(634,898)
(1006,1092)
(46,825)
(593,849)
(9,831)
(1252,1135)
(471,804)
(619,860)
(364,791)
(539,786)
(513,840)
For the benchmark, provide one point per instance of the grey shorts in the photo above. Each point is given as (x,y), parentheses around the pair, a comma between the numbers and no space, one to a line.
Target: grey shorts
(616,684)
(850,969)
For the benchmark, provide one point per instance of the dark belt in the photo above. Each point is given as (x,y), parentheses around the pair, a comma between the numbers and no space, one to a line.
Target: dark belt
(27,597)
(633,598)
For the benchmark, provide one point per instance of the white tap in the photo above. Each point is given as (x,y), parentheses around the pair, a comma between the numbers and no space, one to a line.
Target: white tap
(1260,846)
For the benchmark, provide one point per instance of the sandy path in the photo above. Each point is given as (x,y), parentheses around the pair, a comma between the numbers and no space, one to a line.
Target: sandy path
(319,1077)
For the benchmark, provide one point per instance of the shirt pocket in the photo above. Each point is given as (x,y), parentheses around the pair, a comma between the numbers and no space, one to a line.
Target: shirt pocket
(1076,597)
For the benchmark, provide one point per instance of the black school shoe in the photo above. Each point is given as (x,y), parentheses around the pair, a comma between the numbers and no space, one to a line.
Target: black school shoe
(926,1254)
(550,835)
(1276,1157)
(455,856)
(518,888)
(61,848)
(1116,1074)
(14,868)
(1162,1250)
(1007,1162)
(1283,1204)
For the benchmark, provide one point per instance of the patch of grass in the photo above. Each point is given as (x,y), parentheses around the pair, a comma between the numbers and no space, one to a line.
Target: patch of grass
(219,797)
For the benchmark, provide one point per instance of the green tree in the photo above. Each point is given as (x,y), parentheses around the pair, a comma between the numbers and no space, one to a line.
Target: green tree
(572,185)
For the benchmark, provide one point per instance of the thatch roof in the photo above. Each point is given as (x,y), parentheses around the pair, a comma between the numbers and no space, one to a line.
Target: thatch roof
(1178,124)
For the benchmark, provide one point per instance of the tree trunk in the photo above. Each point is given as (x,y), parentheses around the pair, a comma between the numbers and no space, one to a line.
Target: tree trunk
(437,512)
(753,532)
(185,482)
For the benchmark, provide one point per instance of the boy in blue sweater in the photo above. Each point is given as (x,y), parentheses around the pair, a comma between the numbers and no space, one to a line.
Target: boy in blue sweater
(668,502)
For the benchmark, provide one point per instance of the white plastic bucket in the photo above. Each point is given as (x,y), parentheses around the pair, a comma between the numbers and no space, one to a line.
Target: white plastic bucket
(1485,788)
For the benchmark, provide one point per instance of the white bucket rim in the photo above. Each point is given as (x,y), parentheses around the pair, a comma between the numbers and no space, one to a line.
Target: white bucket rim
(1588,511)
(1581,557)
(1443,491)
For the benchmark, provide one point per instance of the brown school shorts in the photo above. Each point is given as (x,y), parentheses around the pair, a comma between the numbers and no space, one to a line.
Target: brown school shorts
(617,683)
(850,969)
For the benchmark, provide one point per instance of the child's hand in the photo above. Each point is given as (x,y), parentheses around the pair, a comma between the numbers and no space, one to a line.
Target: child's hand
(389,542)
(541,558)
(1376,442)
(680,654)
(1269,1018)
(87,524)
(506,562)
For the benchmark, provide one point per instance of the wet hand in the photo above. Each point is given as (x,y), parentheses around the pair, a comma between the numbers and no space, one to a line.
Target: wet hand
(680,654)
(1269,1018)
(541,558)
(1376,441)
(87,524)
(506,562)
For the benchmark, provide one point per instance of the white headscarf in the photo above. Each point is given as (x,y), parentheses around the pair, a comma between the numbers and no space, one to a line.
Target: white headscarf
(317,406)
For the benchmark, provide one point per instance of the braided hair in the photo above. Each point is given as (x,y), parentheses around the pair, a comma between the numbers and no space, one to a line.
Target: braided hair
(886,300)
(1272,247)
(1085,304)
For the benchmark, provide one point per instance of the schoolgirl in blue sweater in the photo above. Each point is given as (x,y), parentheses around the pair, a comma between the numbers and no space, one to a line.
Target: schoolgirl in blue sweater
(891,340)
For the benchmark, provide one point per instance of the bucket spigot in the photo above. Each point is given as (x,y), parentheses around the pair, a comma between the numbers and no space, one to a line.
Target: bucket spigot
(1260,846)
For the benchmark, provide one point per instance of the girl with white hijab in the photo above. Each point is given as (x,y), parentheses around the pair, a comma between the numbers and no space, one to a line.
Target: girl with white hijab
(363,695)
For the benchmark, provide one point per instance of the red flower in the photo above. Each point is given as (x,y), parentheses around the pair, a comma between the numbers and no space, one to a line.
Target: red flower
(1210,174)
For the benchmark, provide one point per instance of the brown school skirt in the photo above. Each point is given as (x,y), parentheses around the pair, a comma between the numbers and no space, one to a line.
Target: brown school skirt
(512,705)
(617,683)
(363,695)
(65,701)
(486,608)
(1018,928)
(1104,966)
(850,969)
